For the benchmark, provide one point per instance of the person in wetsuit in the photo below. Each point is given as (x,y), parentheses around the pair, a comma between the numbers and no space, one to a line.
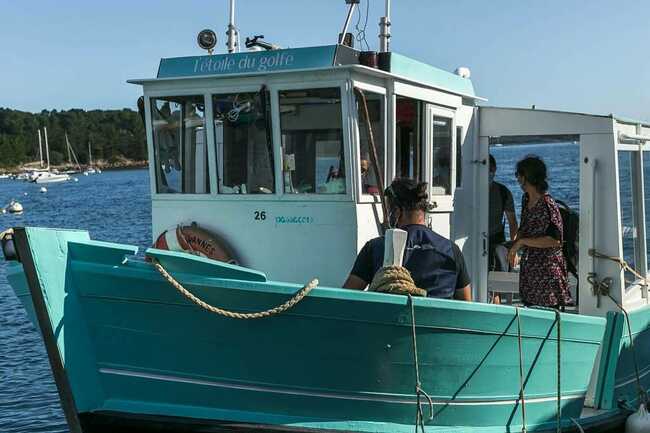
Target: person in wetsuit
(435,263)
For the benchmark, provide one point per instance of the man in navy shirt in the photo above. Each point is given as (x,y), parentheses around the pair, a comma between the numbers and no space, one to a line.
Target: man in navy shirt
(435,263)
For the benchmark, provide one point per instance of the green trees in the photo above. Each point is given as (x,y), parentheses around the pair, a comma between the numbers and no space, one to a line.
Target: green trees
(114,134)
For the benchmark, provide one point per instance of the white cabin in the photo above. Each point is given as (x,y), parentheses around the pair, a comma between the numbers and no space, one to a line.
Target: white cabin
(268,150)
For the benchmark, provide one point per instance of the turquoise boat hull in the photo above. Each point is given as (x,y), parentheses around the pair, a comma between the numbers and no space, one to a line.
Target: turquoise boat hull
(134,349)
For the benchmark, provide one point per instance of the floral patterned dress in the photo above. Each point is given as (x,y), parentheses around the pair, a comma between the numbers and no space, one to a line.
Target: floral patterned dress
(543,273)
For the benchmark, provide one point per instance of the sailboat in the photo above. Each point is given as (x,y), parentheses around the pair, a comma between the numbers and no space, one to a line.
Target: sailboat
(91,169)
(48,176)
(71,155)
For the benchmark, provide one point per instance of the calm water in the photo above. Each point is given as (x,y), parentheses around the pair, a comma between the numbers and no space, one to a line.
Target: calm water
(112,206)
(115,206)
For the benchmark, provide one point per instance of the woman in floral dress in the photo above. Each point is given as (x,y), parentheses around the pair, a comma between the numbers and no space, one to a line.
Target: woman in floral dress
(543,271)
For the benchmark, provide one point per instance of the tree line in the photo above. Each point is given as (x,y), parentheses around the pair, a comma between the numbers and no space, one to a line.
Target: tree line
(114,135)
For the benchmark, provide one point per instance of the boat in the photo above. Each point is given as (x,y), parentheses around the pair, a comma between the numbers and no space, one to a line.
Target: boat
(91,169)
(265,154)
(47,175)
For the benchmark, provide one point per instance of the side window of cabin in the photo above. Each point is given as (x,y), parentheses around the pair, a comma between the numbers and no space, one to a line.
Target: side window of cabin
(409,152)
(442,141)
(180,145)
(244,148)
(312,141)
(375,104)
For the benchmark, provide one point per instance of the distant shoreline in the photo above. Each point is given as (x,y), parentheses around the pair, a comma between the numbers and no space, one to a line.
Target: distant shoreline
(100,164)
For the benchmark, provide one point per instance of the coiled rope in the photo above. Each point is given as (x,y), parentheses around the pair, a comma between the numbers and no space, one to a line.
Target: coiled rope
(396,280)
(297,297)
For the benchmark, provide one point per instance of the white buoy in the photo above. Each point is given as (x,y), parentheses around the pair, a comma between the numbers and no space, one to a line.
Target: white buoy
(14,207)
(43,189)
(75,179)
(24,193)
(85,173)
(639,421)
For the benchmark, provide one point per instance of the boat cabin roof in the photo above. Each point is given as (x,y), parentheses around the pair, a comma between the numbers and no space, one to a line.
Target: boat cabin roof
(328,57)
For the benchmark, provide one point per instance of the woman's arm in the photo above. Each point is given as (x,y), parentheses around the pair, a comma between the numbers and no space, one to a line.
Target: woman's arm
(541,242)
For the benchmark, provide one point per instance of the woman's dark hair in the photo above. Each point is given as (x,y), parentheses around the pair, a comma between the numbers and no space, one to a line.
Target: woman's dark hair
(533,169)
(408,194)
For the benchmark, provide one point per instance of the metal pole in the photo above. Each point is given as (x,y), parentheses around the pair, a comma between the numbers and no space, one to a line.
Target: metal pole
(47,149)
(384,30)
(347,22)
(40,147)
(232,31)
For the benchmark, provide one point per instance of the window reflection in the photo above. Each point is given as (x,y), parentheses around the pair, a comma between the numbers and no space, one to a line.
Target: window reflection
(180,144)
(244,149)
(409,155)
(441,150)
(628,223)
(312,141)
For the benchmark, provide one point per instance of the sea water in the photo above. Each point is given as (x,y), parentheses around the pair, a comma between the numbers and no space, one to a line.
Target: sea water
(115,206)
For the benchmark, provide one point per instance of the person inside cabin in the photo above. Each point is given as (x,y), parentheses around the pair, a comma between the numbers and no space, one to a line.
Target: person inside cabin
(368,179)
(502,207)
(543,272)
(435,263)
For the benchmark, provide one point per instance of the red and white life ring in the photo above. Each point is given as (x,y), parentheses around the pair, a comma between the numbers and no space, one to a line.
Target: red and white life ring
(195,240)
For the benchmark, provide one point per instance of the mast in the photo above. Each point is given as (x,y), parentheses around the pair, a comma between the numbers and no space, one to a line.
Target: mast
(67,146)
(47,148)
(90,156)
(71,151)
(232,30)
(384,30)
(40,147)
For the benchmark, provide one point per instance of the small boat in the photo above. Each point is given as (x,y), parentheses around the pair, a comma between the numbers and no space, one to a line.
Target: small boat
(43,189)
(5,176)
(50,177)
(222,327)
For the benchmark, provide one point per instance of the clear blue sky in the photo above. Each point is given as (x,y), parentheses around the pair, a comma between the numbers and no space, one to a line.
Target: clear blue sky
(578,55)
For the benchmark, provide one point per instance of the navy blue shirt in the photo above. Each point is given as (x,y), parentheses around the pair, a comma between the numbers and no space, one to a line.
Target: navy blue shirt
(435,263)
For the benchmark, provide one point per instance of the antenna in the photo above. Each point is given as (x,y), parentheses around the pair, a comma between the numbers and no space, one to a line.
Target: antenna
(232,32)
(353,4)
(384,30)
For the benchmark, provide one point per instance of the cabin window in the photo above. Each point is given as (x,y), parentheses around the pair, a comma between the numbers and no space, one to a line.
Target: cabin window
(459,156)
(626,200)
(375,103)
(244,148)
(409,154)
(646,193)
(180,145)
(442,141)
(312,141)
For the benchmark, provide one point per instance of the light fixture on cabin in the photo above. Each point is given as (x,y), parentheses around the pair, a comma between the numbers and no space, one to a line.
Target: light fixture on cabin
(207,39)
(463,72)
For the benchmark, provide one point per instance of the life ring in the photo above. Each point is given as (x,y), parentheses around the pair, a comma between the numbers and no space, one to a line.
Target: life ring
(196,240)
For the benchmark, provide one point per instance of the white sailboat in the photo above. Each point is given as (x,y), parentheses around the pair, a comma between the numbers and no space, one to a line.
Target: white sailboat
(91,169)
(48,176)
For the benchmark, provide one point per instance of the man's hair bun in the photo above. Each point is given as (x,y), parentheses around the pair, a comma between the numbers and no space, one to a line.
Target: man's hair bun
(409,194)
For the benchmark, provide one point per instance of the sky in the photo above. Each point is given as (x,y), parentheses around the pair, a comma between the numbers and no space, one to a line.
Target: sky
(574,55)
